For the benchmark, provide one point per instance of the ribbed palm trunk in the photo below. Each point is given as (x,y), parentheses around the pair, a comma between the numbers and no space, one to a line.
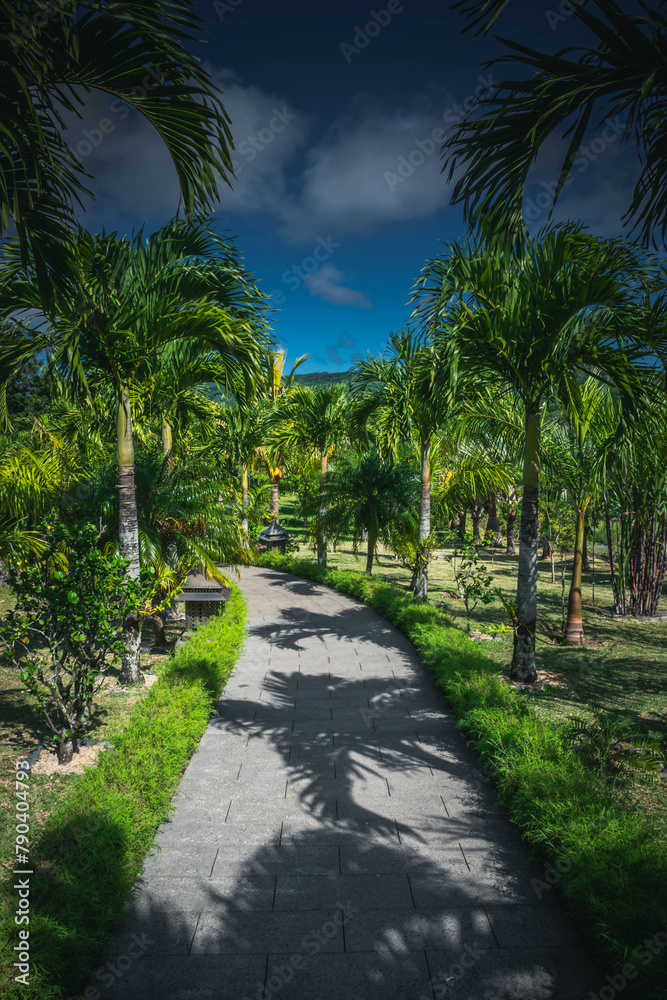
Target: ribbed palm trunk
(511,521)
(492,523)
(574,629)
(275,498)
(244,498)
(321,535)
(370,553)
(476,517)
(167,442)
(128,534)
(523,660)
(420,588)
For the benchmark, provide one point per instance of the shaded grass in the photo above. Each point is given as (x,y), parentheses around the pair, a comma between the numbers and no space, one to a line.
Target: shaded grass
(90,851)
(605,854)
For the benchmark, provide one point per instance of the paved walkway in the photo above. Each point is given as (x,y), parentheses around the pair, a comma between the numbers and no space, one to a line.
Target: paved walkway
(335,839)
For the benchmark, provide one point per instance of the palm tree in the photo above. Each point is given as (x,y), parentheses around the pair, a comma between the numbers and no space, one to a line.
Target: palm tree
(367,498)
(136,53)
(131,300)
(534,321)
(239,433)
(271,387)
(398,393)
(622,74)
(316,420)
(575,449)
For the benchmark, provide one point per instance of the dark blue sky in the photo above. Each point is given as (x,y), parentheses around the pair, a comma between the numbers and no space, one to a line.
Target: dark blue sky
(339,199)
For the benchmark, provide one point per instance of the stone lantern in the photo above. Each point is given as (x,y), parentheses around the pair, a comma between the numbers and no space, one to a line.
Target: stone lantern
(203,597)
(275,537)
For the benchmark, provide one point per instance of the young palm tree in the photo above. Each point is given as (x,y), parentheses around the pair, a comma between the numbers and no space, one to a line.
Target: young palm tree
(238,434)
(271,387)
(398,393)
(621,74)
(366,498)
(131,300)
(316,420)
(55,53)
(534,322)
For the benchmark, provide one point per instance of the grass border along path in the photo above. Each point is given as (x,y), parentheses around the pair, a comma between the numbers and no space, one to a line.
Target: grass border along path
(600,851)
(91,850)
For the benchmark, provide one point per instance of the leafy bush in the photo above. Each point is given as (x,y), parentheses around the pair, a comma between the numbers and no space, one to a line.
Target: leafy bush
(72,603)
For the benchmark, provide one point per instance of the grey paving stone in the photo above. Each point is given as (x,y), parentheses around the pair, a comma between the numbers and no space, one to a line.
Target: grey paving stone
(269,933)
(416,930)
(349,977)
(195,861)
(361,858)
(190,977)
(360,892)
(197,894)
(543,973)
(271,861)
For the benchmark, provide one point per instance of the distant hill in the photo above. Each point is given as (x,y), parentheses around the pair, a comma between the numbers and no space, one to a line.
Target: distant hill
(316,380)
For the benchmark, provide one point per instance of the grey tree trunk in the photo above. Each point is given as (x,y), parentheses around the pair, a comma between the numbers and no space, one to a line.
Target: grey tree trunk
(420,585)
(321,536)
(523,660)
(511,522)
(476,517)
(65,749)
(493,524)
(128,535)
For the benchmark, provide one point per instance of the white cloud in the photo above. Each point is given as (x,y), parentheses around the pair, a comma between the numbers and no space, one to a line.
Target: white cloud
(325,285)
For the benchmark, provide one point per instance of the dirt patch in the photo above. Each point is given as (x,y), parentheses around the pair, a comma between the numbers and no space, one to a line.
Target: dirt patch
(83,757)
(545,678)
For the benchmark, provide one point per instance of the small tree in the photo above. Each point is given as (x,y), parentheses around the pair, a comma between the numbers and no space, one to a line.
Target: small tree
(473,581)
(72,605)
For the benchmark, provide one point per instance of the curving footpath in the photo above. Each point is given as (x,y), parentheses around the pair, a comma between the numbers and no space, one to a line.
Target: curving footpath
(335,839)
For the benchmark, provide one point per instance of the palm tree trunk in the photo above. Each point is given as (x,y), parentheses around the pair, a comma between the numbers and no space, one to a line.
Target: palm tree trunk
(370,552)
(511,521)
(420,584)
(585,564)
(493,524)
(128,533)
(321,536)
(166,440)
(244,497)
(574,629)
(523,660)
(275,498)
(476,517)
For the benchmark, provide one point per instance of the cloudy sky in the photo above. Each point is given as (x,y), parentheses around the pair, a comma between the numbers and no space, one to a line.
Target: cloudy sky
(339,197)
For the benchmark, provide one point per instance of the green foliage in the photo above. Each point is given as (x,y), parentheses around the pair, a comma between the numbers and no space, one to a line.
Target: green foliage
(92,848)
(608,862)
(473,581)
(72,605)
(616,749)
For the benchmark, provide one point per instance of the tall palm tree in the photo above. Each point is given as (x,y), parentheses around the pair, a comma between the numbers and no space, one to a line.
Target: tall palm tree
(398,392)
(131,300)
(316,420)
(271,386)
(238,434)
(622,74)
(575,447)
(50,57)
(535,321)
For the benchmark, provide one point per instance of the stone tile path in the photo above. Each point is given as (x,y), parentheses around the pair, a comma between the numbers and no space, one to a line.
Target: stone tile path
(335,839)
